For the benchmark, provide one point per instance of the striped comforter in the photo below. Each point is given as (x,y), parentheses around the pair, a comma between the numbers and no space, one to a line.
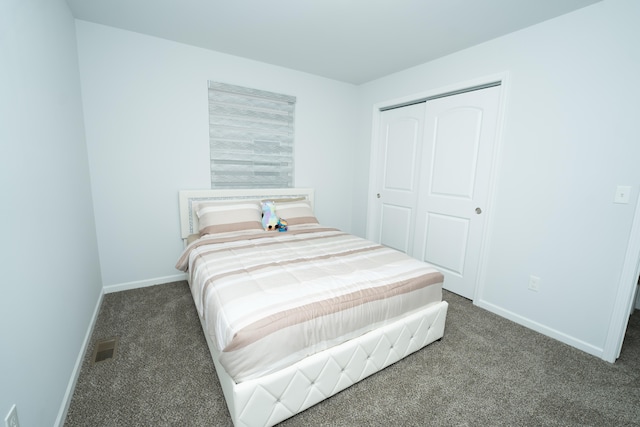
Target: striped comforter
(269,299)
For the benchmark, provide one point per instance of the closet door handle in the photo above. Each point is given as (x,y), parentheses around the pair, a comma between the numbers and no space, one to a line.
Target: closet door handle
(478,211)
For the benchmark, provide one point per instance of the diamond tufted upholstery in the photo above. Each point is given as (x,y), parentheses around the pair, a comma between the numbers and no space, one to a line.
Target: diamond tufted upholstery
(275,397)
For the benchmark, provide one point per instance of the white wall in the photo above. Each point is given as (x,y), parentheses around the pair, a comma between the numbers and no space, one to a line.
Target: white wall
(571,135)
(50,273)
(146,116)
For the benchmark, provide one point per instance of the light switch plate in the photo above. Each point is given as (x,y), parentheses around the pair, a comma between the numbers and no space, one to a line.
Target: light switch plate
(11,420)
(623,193)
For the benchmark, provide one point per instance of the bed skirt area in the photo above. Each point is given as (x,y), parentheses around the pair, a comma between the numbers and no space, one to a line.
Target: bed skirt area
(270,399)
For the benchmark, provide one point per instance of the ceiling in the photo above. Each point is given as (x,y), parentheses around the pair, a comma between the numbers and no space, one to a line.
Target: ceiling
(353,41)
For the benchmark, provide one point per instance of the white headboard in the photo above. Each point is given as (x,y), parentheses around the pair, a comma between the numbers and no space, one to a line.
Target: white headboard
(189,219)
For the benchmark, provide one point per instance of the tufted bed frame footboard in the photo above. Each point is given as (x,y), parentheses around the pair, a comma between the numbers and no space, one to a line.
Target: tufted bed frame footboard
(275,397)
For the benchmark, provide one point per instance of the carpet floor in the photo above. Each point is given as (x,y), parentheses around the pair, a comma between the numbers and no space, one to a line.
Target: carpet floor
(486,371)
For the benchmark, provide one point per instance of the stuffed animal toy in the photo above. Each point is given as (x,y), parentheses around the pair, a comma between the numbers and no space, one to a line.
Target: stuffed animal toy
(269,218)
(282,225)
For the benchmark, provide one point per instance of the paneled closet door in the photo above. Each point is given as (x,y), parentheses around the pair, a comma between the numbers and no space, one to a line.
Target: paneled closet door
(456,162)
(400,149)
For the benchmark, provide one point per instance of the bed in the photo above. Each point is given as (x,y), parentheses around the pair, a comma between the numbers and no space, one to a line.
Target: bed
(293,317)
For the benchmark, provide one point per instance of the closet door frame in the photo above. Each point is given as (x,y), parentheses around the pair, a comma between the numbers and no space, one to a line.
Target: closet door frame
(502,78)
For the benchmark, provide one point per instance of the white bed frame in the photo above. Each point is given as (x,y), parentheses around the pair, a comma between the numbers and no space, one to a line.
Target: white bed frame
(187,199)
(270,399)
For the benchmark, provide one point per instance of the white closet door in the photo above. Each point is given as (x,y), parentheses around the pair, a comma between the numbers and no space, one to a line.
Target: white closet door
(400,141)
(459,139)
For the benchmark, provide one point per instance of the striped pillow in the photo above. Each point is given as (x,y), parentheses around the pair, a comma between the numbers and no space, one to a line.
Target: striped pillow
(224,217)
(297,212)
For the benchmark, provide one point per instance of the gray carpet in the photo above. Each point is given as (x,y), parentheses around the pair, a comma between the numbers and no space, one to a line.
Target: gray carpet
(486,371)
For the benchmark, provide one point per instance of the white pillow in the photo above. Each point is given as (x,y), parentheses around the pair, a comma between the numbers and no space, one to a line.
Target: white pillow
(297,212)
(223,217)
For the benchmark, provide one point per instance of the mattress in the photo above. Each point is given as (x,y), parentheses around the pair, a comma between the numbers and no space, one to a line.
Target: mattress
(268,299)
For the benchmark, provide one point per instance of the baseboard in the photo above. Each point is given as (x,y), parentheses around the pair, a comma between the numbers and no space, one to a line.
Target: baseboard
(544,330)
(143,283)
(66,401)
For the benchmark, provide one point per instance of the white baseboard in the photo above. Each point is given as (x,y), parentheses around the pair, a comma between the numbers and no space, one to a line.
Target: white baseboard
(66,401)
(143,283)
(544,330)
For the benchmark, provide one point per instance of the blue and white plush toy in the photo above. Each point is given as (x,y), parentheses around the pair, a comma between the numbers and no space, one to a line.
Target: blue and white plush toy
(270,220)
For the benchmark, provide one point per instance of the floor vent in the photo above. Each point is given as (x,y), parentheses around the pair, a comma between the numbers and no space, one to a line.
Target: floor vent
(105,350)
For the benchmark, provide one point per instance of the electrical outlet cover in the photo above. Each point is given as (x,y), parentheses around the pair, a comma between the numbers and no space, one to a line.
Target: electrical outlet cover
(534,283)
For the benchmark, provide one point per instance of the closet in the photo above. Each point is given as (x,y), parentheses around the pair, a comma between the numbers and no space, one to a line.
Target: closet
(432,180)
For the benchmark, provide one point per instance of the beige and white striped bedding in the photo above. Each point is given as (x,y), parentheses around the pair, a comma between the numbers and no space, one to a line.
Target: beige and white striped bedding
(269,299)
